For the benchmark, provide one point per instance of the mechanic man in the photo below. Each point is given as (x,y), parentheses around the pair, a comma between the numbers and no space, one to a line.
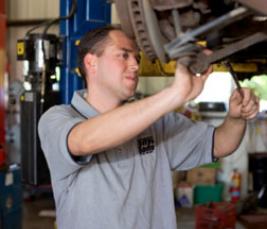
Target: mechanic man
(111,160)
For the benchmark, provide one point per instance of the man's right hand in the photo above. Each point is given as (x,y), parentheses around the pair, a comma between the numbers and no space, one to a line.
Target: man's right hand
(188,85)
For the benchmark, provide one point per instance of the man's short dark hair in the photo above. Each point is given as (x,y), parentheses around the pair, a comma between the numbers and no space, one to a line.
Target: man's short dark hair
(93,42)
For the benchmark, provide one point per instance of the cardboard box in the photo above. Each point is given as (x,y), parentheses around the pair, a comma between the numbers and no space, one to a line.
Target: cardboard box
(178,177)
(201,176)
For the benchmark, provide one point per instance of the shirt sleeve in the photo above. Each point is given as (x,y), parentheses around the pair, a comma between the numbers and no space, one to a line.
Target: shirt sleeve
(53,128)
(187,144)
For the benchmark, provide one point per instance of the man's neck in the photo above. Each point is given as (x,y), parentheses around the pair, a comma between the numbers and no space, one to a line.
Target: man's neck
(101,102)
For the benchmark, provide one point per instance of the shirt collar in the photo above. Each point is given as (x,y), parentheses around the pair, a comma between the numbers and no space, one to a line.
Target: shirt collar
(81,105)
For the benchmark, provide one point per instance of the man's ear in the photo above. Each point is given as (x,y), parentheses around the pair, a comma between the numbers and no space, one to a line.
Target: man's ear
(90,61)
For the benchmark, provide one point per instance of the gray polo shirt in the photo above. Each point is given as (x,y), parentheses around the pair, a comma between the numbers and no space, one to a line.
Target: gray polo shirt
(128,187)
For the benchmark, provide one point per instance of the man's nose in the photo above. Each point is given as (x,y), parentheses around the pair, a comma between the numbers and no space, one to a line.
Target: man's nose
(133,65)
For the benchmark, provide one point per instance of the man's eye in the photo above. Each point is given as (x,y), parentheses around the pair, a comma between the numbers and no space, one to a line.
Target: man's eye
(125,55)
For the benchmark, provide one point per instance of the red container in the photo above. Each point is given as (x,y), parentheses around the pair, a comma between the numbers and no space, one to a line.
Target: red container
(3,31)
(2,157)
(2,7)
(220,215)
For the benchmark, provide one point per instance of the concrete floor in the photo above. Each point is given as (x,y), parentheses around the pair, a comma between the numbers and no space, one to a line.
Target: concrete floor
(33,211)
(186,219)
(38,213)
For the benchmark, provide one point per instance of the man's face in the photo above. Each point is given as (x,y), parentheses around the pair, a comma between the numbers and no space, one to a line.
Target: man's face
(117,67)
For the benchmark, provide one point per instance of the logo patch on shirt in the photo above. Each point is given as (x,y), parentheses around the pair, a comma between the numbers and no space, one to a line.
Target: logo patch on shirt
(146,145)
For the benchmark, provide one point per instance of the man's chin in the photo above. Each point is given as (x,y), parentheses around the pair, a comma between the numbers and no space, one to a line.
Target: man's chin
(129,95)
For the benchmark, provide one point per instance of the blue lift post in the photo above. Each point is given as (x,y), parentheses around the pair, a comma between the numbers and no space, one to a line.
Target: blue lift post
(90,14)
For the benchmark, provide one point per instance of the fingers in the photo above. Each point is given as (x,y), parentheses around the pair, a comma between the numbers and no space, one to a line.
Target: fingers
(248,113)
(206,74)
(181,67)
(236,97)
(244,96)
(250,104)
(247,96)
(244,105)
(189,85)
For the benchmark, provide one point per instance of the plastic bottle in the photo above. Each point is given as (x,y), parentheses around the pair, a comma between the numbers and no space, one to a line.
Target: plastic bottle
(235,188)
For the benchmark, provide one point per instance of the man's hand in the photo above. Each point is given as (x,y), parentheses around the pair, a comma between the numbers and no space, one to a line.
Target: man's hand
(188,85)
(242,106)
(245,107)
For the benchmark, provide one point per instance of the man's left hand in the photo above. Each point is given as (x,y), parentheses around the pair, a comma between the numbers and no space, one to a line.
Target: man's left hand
(244,105)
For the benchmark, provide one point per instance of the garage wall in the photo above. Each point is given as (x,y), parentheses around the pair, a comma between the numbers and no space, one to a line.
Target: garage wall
(32,9)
